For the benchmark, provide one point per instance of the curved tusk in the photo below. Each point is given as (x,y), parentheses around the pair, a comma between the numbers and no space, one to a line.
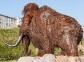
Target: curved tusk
(13,45)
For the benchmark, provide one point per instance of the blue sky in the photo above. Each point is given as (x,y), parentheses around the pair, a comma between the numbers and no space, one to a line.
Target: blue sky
(73,8)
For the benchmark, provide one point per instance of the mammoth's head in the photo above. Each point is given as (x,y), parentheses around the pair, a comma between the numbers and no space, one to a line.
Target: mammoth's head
(30,8)
(28,12)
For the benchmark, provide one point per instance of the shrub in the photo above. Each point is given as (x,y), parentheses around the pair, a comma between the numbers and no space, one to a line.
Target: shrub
(11,53)
(7,53)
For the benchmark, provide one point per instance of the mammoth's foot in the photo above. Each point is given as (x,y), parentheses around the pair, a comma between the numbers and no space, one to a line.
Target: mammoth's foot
(41,53)
(69,53)
(27,53)
(72,54)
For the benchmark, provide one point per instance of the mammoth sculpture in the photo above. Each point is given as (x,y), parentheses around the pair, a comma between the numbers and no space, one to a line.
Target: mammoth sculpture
(47,29)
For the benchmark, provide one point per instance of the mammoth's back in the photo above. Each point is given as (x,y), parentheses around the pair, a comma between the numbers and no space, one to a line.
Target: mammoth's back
(54,25)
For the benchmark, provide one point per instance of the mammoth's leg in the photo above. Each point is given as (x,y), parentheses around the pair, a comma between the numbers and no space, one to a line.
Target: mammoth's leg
(68,43)
(41,52)
(69,50)
(69,46)
(26,43)
(48,48)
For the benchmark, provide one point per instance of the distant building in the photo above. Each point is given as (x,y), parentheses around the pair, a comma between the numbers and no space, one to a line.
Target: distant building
(7,22)
(18,21)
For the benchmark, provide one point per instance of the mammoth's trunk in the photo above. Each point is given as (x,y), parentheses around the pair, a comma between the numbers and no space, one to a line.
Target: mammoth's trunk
(17,42)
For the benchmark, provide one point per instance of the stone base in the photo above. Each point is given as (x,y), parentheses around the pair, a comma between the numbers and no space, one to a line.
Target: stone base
(51,58)
(69,59)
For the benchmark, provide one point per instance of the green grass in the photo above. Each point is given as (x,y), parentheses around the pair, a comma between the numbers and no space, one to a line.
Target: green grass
(8,53)
(82,42)
(9,34)
(9,61)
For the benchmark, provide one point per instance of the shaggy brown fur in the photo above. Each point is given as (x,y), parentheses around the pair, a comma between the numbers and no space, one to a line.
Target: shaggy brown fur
(49,29)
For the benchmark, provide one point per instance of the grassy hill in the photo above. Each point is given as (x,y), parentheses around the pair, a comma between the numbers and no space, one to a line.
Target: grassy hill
(7,53)
(11,53)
